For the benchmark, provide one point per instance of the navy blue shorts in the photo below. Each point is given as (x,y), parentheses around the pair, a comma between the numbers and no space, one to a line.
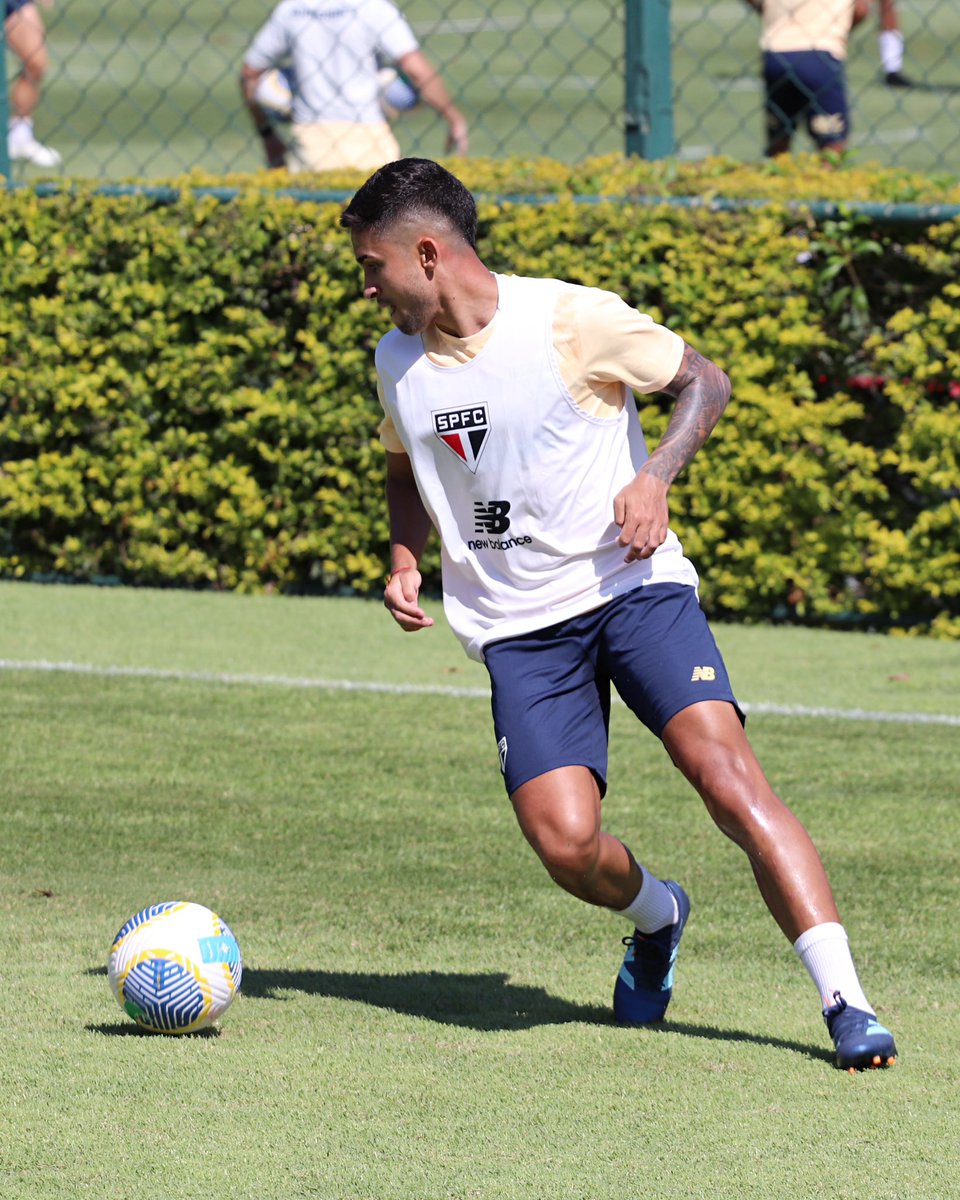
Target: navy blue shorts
(15,5)
(807,84)
(551,688)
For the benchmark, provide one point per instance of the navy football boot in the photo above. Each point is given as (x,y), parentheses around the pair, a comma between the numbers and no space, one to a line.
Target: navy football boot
(862,1042)
(645,983)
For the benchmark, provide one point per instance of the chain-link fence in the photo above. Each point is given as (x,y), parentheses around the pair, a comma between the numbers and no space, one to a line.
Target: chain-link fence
(149,90)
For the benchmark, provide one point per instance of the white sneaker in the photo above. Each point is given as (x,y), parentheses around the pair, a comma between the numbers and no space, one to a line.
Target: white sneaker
(26,147)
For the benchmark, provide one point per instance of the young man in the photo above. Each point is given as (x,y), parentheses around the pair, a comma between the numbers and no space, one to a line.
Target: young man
(336,48)
(804,45)
(510,428)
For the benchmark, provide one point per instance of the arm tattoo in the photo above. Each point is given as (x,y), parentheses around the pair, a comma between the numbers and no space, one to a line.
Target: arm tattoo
(701,390)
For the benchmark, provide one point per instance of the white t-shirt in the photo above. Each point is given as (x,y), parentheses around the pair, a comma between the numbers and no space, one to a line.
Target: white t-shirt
(794,25)
(333,46)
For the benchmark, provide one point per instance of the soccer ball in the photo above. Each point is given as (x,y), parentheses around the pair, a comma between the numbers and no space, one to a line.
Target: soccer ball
(175,967)
(274,92)
(397,94)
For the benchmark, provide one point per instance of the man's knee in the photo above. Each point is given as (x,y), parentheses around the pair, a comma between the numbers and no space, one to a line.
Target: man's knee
(568,846)
(35,64)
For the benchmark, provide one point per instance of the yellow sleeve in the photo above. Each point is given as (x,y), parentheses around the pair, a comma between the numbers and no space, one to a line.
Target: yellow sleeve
(620,344)
(389,438)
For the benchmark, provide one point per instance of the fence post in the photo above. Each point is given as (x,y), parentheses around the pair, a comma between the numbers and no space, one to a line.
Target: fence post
(4,106)
(649,90)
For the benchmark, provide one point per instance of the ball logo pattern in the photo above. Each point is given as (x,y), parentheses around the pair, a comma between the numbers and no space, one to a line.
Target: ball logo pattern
(175,967)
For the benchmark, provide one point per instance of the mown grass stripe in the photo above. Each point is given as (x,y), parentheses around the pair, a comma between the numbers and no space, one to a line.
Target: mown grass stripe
(757,708)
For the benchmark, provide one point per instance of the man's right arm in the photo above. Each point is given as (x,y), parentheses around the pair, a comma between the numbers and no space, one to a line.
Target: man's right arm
(410,527)
(273,146)
(268,48)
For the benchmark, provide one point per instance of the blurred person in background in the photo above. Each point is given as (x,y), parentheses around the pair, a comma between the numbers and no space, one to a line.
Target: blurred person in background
(337,49)
(804,45)
(26,38)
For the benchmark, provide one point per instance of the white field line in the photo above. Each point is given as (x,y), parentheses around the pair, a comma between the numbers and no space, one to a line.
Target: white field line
(761,708)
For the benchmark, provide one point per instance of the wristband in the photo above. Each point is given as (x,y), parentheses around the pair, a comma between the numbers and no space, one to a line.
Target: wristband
(391,574)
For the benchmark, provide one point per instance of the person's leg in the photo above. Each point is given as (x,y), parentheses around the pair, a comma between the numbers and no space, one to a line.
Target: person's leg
(559,814)
(828,110)
(708,744)
(25,37)
(551,703)
(890,42)
(781,103)
(550,700)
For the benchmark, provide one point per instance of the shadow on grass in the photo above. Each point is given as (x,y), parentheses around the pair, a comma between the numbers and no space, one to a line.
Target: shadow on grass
(485,1002)
(129,1029)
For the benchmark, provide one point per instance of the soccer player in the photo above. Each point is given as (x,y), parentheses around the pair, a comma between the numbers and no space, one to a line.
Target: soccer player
(804,44)
(510,428)
(334,46)
(26,37)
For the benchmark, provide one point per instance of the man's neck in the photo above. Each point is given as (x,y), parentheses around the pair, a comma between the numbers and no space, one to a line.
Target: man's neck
(471,308)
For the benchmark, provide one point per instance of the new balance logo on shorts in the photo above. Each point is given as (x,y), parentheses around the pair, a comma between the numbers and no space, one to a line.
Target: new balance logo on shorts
(703,675)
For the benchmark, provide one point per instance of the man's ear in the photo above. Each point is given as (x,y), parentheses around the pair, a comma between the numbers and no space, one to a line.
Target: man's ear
(428,253)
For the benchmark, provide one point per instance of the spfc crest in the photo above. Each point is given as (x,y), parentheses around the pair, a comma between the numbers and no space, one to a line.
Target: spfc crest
(464,431)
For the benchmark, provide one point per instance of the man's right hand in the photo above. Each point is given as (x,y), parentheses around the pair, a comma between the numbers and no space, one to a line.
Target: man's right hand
(275,150)
(400,598)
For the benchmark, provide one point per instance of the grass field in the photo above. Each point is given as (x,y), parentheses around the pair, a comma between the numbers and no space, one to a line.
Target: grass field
(423,1014)
(151,91)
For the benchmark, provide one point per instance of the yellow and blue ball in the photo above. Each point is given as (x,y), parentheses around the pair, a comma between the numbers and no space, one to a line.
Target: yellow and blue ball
(175,967)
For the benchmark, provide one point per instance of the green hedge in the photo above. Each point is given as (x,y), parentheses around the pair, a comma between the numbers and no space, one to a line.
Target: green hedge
(188,394)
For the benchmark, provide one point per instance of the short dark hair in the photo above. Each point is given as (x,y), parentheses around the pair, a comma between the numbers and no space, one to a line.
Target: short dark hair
(408,187)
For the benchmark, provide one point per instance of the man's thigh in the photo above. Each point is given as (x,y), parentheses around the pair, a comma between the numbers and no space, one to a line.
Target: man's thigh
(661,655)
(550,708)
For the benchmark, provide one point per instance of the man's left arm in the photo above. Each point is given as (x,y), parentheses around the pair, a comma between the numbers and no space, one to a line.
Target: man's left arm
(702,390)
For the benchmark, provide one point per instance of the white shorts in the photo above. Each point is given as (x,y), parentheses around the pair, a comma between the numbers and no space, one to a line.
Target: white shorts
(342,145)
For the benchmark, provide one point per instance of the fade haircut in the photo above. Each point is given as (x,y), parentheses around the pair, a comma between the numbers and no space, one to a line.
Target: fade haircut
(412,187)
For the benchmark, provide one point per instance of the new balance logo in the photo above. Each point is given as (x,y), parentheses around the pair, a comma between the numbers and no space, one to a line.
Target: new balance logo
(703,674)
(491,517)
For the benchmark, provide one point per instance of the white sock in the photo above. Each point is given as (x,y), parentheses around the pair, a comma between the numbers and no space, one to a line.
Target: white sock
(825,951)
(891,50)
(20,127)
(653,907)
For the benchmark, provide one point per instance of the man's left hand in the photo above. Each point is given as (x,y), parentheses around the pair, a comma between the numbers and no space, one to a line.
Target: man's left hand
(640,509)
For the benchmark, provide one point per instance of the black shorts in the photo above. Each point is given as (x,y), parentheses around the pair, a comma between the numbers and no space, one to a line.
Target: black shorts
(551,688)
(808,85)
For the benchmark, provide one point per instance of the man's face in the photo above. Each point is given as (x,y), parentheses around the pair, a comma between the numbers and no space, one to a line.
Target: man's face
(395,275)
